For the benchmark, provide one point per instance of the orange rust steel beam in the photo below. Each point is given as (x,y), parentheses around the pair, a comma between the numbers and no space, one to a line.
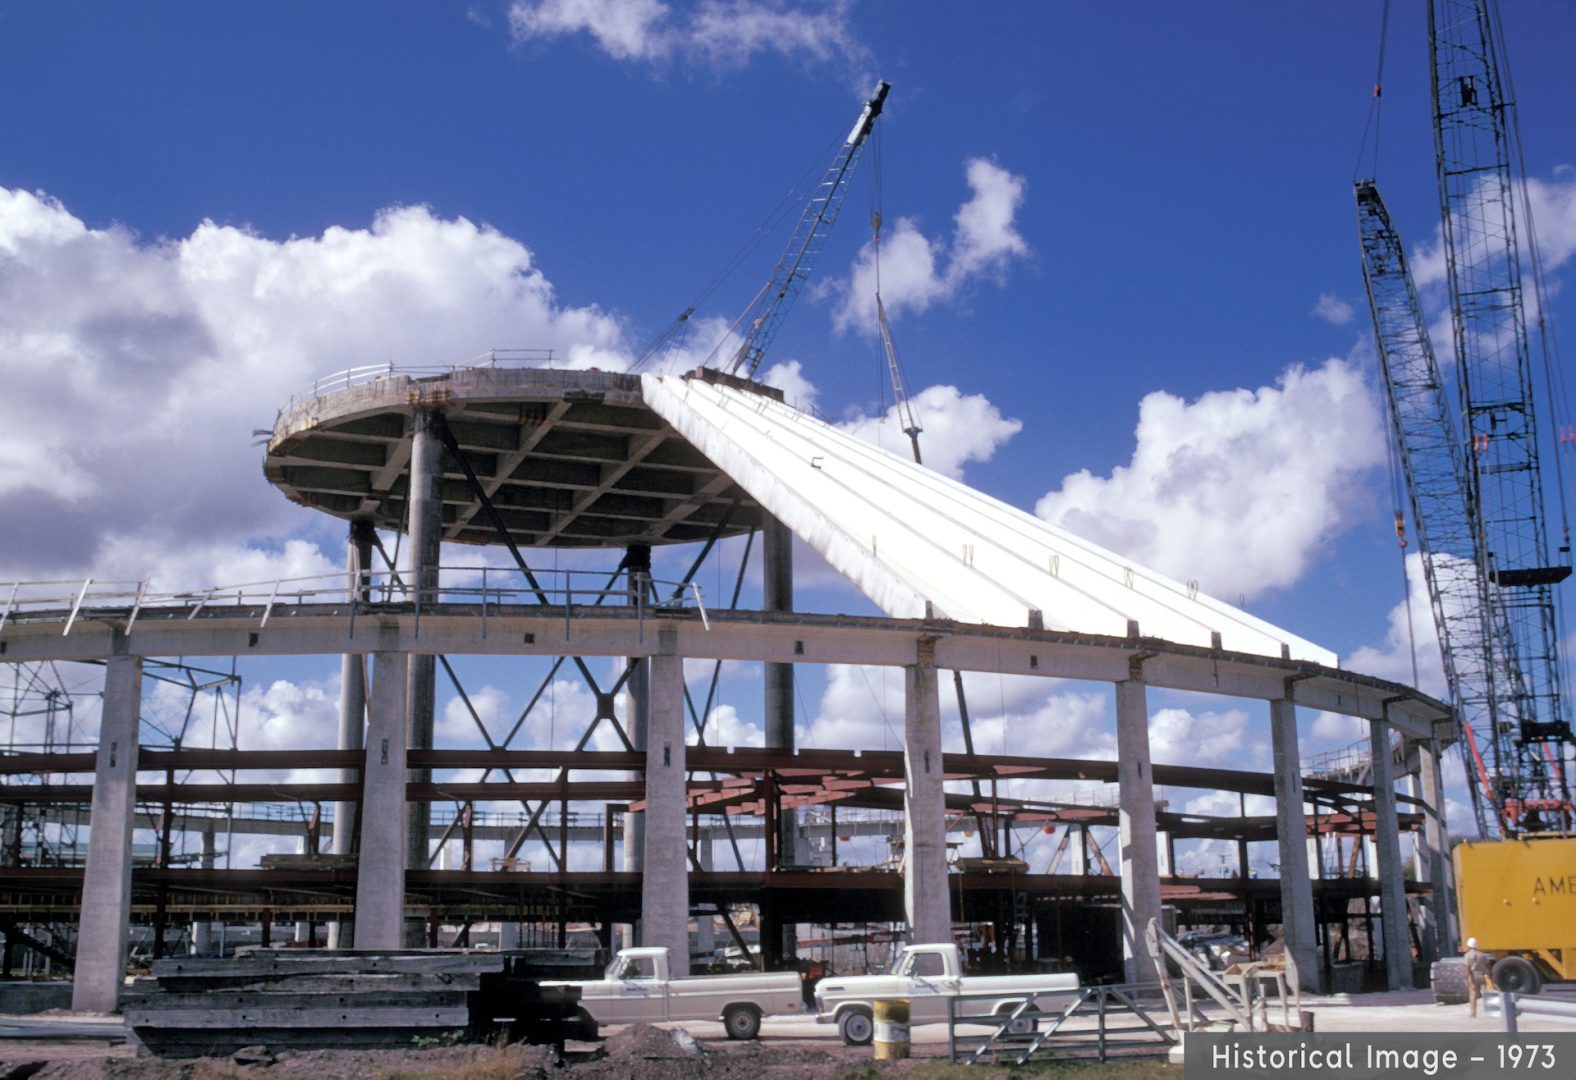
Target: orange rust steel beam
(875,766)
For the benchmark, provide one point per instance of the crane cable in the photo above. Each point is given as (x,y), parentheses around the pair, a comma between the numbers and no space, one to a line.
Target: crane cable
(877,198)
(902,405)
(1391,454)
(671,340)
(1374,107)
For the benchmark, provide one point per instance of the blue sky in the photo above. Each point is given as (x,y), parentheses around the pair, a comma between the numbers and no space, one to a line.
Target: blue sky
(204,207)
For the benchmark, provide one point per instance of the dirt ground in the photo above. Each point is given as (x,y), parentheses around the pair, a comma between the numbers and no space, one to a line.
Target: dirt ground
(791,1048)
(640,1052)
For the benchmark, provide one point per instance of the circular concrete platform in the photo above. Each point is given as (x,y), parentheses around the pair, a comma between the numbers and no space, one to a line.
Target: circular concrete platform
(568,458)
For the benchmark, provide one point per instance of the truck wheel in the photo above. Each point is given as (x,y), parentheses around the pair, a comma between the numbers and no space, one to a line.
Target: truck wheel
(742,1021)
(1024,1025)
(590,1031)
(856,1027)
(1516,975)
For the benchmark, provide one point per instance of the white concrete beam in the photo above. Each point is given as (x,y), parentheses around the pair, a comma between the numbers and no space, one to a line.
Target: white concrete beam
(1389,870)
(1436,847)
(103,927)
(1140,864)
(380,867)
(1291,830)
(925,896)
(664,894)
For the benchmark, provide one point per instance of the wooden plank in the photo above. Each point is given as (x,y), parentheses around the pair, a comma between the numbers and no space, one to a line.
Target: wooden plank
(290,1019)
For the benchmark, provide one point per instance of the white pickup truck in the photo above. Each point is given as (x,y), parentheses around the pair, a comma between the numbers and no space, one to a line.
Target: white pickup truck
(926,976)
(637,987)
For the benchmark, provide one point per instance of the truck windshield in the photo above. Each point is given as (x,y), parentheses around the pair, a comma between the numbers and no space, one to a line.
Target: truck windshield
(632,967)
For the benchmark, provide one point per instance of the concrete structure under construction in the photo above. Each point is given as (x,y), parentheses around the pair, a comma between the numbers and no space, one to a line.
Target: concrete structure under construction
(533,458)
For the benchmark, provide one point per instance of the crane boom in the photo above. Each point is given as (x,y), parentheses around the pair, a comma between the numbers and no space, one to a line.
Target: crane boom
(766,311)
(1473,635)
(1474,139)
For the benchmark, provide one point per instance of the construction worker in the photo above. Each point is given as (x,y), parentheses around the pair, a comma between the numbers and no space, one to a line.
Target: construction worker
(1478,964)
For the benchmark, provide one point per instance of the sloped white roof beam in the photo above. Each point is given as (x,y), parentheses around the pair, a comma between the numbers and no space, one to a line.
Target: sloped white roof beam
(907,536)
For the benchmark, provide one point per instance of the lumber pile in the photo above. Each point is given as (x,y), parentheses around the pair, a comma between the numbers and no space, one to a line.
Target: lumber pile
(352,999)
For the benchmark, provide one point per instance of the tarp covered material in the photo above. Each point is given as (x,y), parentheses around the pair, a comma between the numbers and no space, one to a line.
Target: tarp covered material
(906,535)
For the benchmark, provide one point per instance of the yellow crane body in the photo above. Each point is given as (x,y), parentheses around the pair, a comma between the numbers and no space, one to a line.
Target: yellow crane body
(1518,898)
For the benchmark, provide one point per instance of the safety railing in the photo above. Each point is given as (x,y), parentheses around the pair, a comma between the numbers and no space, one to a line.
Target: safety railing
(1351,760)
(1511,1007)
(496,590)
(1099,1022)
(344,380)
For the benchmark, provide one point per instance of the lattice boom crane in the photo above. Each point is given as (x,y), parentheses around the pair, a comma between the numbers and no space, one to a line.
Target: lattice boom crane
(1476,487)
(765,313)
(1474,144)
(1473,634)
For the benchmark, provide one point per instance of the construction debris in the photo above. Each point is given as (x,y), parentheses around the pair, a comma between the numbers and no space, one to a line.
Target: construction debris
(272,999)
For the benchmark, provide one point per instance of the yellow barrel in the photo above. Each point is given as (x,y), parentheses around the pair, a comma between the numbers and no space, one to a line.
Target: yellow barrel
(891,1029)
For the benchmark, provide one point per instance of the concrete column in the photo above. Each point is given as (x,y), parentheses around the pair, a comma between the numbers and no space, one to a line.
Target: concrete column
(106,882)
(926,901)
(1387,842)
(1140,868)
(637,688)
(1419,857)
(706,923)
(1291,833)
(202,932)
(777,595)
(352,711)
(664,891)
(425,527)
(637,724)
(380,869)
(1436,846)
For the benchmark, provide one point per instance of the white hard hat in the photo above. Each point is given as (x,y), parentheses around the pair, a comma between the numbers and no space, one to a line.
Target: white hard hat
(1471,942)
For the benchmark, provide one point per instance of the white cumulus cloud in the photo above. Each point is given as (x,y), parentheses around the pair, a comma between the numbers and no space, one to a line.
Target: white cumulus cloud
(1333,310)
(716,33)
(1553,205)
(1411,640)
(955,429)
(1227,739)
(136,372)
(916,271)
(1239,490)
